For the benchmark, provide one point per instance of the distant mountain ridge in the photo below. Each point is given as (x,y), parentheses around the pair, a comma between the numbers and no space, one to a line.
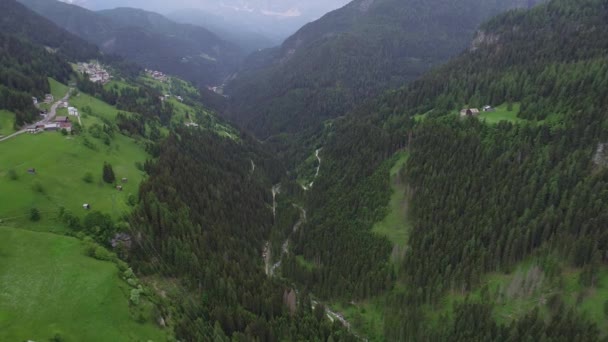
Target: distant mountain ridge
(149,39)
(350,54)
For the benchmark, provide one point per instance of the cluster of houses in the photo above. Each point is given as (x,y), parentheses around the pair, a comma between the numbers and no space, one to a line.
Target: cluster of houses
(466,112)
(157,75)
(97,74)
(60,123)
(168,96)
(217,89)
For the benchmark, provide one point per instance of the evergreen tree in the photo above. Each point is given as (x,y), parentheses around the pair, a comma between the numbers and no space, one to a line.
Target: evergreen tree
(108,173)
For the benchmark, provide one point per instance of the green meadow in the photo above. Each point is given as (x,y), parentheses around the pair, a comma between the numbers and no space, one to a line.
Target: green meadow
(61,163)
(91,106)
(502,113)
(58,90)
(7,122)
(48,288)
(396,226)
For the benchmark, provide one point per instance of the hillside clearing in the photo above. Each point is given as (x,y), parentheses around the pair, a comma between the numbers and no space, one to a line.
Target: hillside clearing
(396,226)
(7,123)
(502,113)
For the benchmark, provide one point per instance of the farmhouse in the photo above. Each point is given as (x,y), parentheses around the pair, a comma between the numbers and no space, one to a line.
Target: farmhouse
(51,127)
(469,112)
(72,111)
(62,119)
(66,125)
(48,98)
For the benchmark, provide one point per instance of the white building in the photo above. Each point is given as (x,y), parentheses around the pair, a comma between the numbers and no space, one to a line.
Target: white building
(72,111)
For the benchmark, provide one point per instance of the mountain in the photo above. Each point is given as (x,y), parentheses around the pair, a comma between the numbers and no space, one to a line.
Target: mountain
(31,50)
(478,214)
(351,54)
(274,19)
(248,38)
(148,39)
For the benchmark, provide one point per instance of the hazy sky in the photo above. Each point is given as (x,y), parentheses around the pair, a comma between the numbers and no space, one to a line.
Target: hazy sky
(278,8)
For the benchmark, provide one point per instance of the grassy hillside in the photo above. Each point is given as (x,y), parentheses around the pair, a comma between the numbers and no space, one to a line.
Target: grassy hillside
(61,164)
(396,226)
(7,122)
(48,286)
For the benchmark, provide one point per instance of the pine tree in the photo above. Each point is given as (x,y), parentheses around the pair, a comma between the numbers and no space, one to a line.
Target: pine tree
(108,173)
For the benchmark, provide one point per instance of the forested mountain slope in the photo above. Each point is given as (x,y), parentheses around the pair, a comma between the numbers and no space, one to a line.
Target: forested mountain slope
(484,199)
(32,49)
(148,39)
(349,55)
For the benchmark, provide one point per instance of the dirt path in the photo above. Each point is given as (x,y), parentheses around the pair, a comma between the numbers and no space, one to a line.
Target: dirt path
(50,116)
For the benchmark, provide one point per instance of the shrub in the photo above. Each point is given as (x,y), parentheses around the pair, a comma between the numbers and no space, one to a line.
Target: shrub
(64,132)
(97,252)
(88,177)
(34,215)
(37,187)
(12,175)
(108,173)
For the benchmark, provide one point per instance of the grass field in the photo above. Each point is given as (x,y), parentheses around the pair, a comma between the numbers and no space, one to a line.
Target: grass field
(58,90)
(61,163)
(7,122)
(119,85)
(366,317)
(395,226)
(49,286)
(501,113)
(94,106)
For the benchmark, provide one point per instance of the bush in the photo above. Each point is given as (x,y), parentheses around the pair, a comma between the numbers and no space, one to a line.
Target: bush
(97,252)
(64,132)
(108,173)
(34,215)
(12,175)
(37,187)
(88,177)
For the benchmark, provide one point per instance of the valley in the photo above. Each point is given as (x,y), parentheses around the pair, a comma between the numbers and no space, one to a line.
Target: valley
(392,171)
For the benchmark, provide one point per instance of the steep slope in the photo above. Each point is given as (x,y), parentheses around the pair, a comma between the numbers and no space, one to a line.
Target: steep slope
(21,22)
(32,49)
(485,199)
(350,54)
(149,39)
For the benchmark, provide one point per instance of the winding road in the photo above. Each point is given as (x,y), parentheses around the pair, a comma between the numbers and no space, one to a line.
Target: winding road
(49,117)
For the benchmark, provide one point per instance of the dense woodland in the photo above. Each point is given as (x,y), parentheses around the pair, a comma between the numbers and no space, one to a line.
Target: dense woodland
(24,69)
(203,218)
(484,197)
